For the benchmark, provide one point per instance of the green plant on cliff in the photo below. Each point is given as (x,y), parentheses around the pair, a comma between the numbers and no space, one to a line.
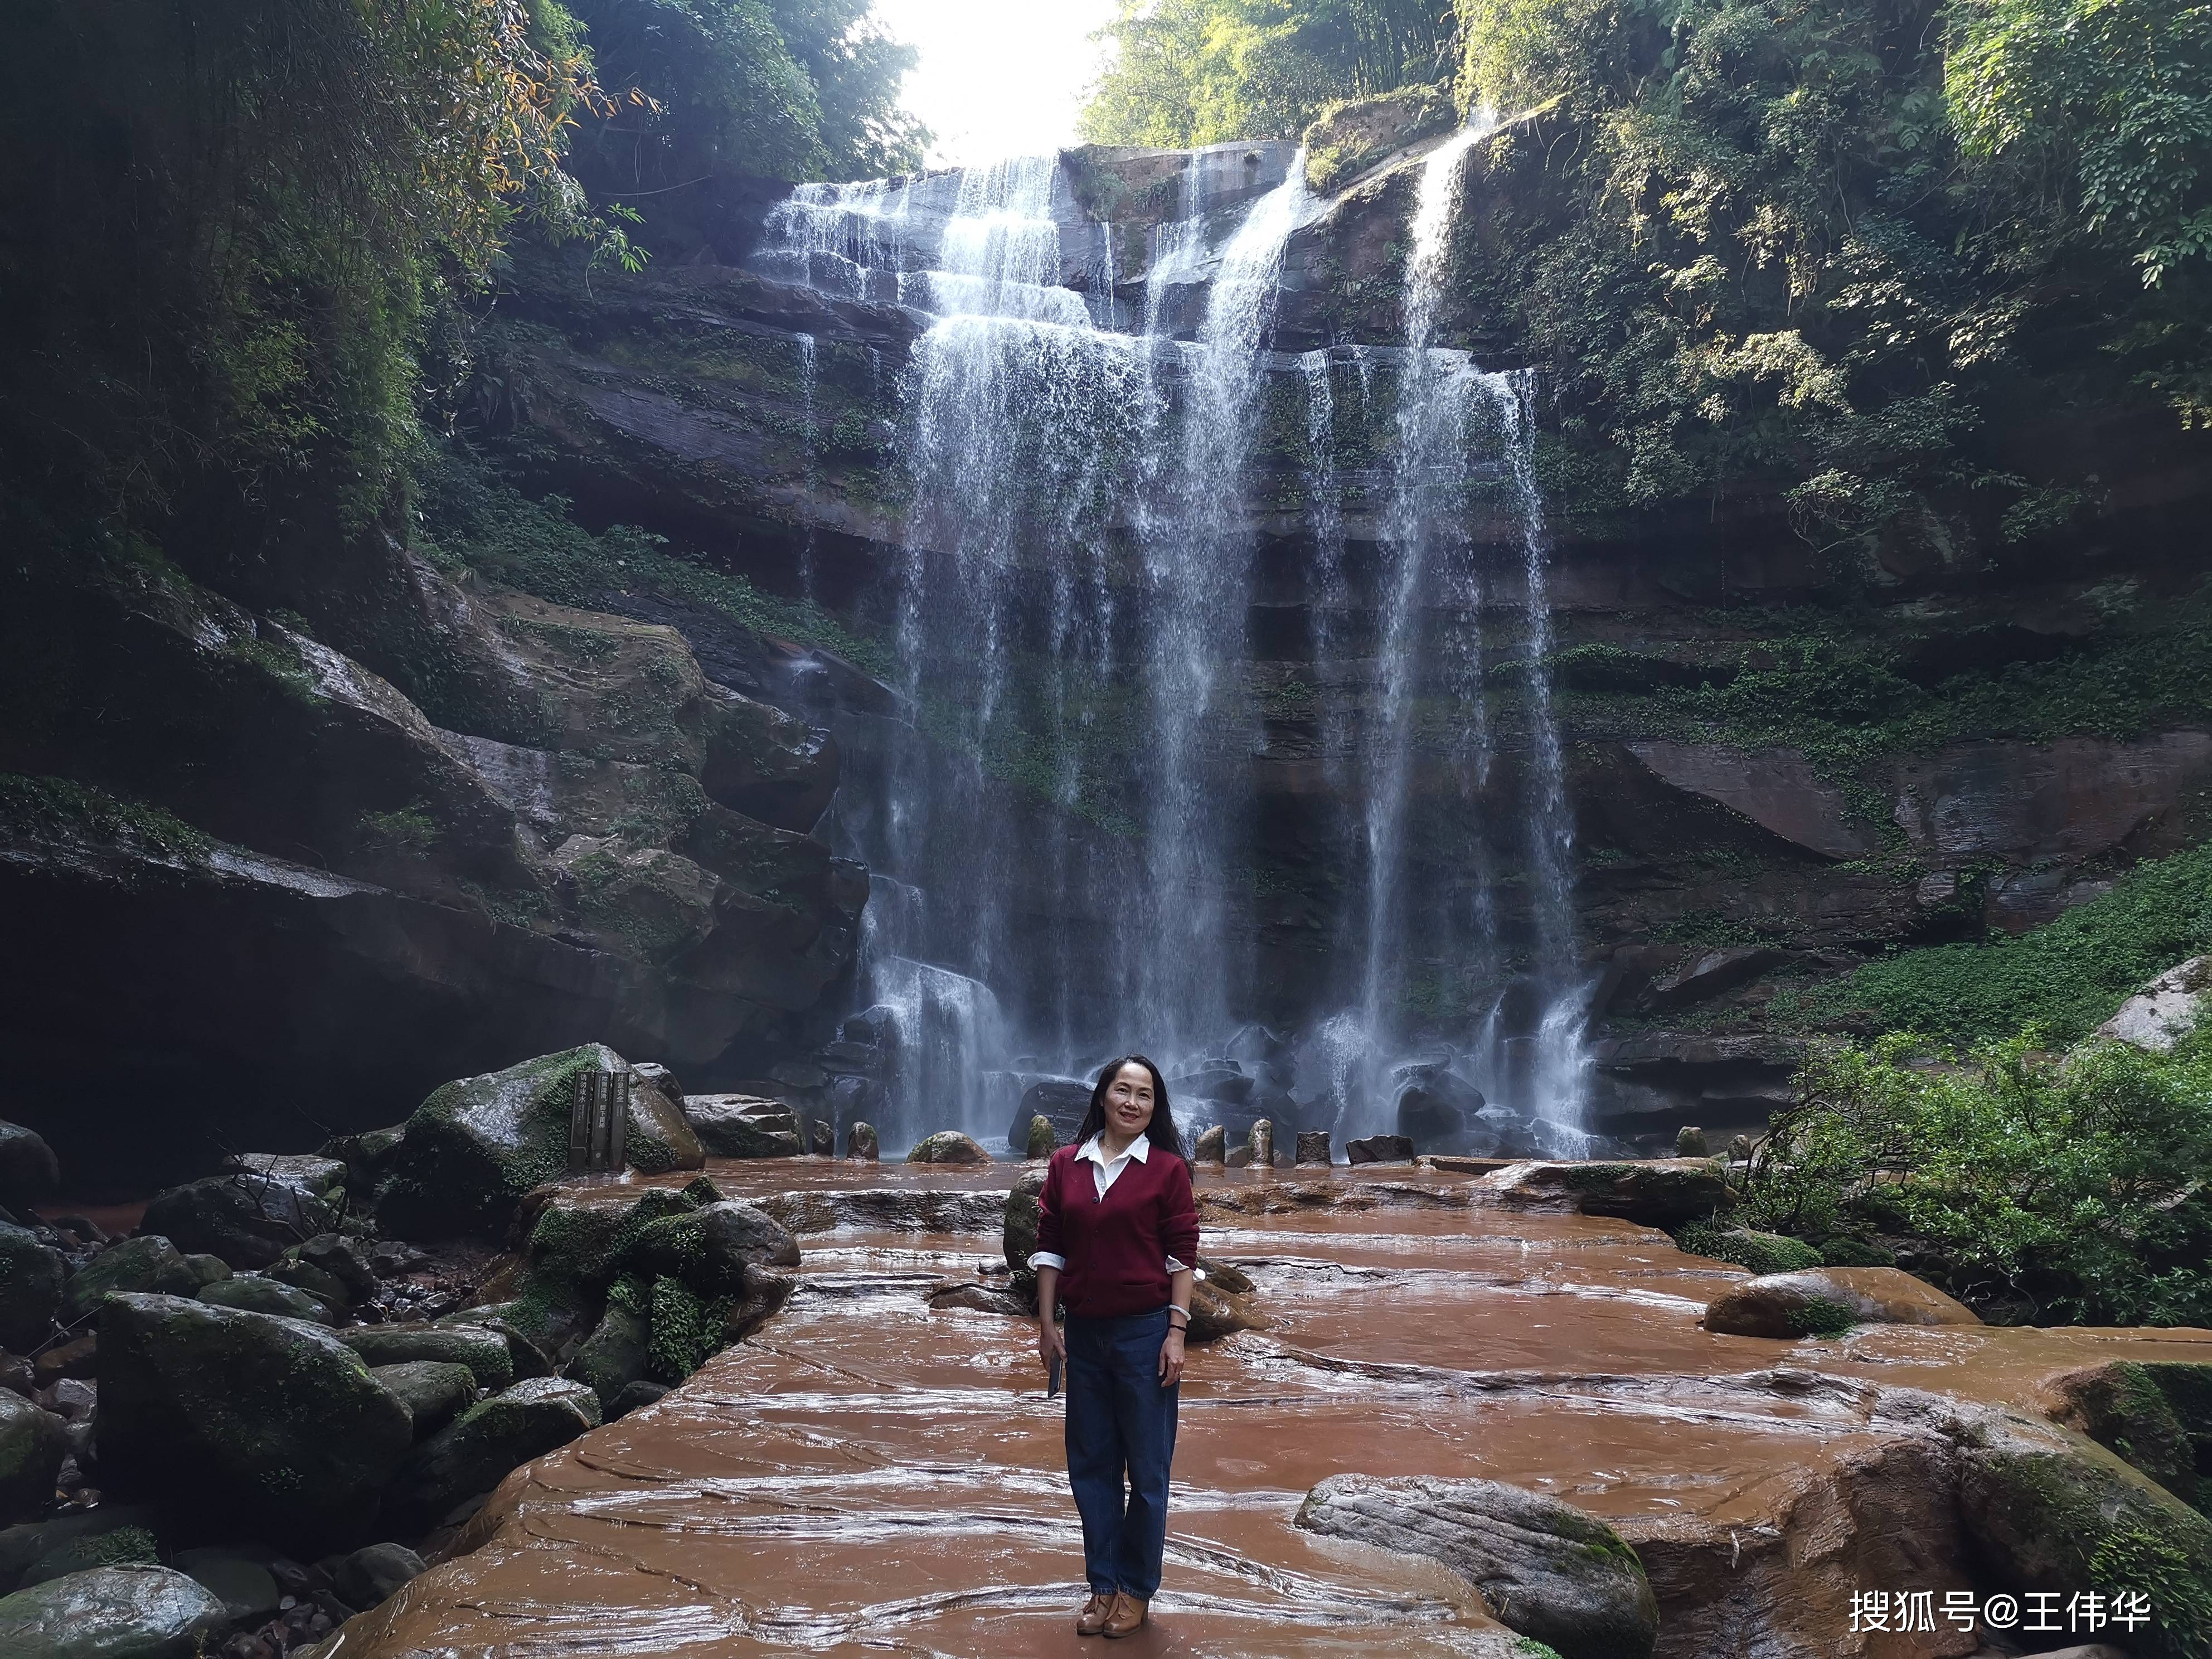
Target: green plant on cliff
(1207,71)
(2064,978)
(1842,250)
(2054,1190)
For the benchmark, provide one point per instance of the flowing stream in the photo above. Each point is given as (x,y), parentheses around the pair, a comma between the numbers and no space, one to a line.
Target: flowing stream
(1064,823)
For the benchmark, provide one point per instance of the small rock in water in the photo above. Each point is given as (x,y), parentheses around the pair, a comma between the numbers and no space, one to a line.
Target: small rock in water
(821,1139)
(634,1394)
(948,1146)
(1041,1139)
(1380,1149)
(1740,1150)
(1261,1143)
(1018,1234)
(1313,1146)
(860,1142)
(1690,1141)
(1212,1145)
(1237,1157)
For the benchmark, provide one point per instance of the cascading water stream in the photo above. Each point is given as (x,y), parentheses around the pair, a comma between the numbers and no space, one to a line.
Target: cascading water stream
(1059,816)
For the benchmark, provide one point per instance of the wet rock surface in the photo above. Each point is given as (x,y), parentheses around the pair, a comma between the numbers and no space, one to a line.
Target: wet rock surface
(112,1613)
(1815,1301)
(1415,1328)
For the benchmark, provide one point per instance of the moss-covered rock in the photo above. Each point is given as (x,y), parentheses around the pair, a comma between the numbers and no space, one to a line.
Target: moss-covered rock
(434,1391)
(1352,137)
(484,1352)
(32,1443)
(249,1220)
(1761,1253)
(144,1263)
(686,1330)
(479,1144)
(262,1423)
(658,1137)
(474,1453)
(2121,1407)
(1827,1301)
(1018,1234)
(615,1355)
(710,1249)
(1545,1568)
(948,1146)
(2052,1511)
(112,1613)
(252,1293)
(32,1275)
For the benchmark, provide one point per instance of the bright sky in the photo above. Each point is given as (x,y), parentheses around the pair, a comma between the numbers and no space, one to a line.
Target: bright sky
(998,77)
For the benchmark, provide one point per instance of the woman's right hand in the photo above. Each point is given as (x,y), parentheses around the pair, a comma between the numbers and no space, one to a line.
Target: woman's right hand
(1051,1345)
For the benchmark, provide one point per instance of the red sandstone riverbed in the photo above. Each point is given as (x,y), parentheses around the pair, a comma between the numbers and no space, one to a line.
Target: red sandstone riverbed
(867,1474)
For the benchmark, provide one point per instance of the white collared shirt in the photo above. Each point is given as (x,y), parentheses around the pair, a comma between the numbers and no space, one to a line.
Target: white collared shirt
(1104,1172)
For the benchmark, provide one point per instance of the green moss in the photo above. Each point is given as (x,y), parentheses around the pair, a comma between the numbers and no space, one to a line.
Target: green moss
(124,1547)
(56,806)
(2133,1558)
(1759,1252)
(686,1330)
(703,1191)
(1822,1316)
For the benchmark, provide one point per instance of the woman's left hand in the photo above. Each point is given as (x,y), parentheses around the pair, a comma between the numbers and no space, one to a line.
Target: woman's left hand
(1172,1357)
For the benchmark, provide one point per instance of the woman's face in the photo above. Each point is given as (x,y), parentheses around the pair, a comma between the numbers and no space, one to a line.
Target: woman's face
(1129,1101)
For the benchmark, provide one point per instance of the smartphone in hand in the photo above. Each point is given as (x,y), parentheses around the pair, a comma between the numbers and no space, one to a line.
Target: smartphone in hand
(1052,1378)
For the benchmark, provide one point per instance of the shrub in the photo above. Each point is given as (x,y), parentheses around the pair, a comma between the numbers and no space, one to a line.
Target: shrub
(2068,1189)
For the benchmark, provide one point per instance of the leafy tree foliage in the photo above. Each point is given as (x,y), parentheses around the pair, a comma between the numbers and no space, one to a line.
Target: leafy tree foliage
(2038,1189)
(788,89)
(1750,244)
(1206,71)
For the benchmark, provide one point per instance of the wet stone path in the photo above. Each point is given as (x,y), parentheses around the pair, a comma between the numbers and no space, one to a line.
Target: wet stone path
(867,1474)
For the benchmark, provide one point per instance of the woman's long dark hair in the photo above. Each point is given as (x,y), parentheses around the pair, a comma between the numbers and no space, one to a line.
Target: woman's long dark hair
(1160,1131)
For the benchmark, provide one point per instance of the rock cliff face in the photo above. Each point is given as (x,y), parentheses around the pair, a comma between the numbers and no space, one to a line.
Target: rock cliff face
(756,420)
(269,893)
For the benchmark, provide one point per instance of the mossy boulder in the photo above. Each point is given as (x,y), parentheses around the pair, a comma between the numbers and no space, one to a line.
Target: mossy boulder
(1827,1301)
(248,1220)
(144,1263)
(112,1613)
(1545,1568)
(711,1249)
(1761,1253)
(477,1145)
(32,1276)
(28,1169)
(32,1443)
(271,1424)
(475,1452)
(1019,1232)
(2121,1407)
(2052,1511)
(660,1138)
(434,1391)
(484,1352)
(254,1294)
(948,1146)
(615,1355)
(22,1547)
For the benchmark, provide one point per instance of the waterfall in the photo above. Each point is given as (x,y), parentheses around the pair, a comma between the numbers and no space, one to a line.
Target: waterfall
(1058,815)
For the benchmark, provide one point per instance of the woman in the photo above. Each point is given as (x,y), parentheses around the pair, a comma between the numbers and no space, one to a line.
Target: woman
(1116,1230)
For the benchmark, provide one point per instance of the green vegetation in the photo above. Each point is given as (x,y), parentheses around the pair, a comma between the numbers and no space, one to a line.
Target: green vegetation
(1206,71)
(2035,1188)
(51,806)
(2062,979)
(1846,252)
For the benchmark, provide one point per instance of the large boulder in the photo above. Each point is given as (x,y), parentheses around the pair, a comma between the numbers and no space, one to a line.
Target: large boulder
(252,1293)
(744,1126)
(710,1248)
(484,1352)
(147,1262)
(249,1220)
(948,1146)
(112,1613)
(1436,1110)
(1019,1229)
(375,1574)
(475,1452)
(312,1173)
(1545,1568)
(615,1355)
(1379,1149)
(2164,1010)
(32,1443)
(477,1145)
(28,1168)
(660,1138)
(434,1391)
(1660,1192)
(1061,1102)
(32,1275)
(272,1424)
(1824,1301)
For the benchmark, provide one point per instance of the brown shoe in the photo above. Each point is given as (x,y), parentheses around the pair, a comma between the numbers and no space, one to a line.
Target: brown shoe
(1126,1619)
(1095,1611)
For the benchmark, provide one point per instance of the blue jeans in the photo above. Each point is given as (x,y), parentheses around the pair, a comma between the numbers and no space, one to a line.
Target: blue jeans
(1119,1420)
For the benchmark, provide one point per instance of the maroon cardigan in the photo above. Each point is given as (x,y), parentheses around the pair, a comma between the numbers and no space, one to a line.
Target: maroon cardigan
(1117,1248)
